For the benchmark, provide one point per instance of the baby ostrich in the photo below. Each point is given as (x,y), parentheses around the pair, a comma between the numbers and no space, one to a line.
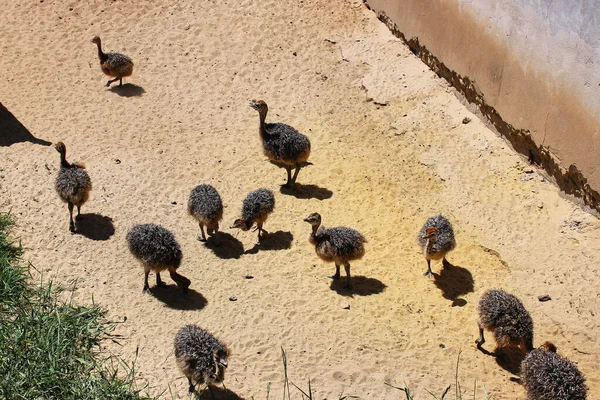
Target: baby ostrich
(255,210)
(436,238)
(157,250)
(548,376)
(116,65)
(206,206)
(340,245)
(282,144)
(200,356)
(505,315)
(73,184)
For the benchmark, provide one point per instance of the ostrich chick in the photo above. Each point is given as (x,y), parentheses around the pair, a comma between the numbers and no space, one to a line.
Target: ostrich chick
(157,250)
(340,245)
(283,145)
(436,238)
(116,65)
(255,210)
(505,315)
(73,184)
(548,376)
(206,206)
(200,356)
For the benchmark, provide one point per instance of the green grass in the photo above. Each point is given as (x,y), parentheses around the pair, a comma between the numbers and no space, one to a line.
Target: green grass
(50,346)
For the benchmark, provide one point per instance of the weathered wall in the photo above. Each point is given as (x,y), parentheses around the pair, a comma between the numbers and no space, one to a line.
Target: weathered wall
(532,67)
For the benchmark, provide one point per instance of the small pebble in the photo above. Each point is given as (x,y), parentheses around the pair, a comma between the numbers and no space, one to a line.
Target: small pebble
(174,203)
(347,306)
(249,277)
(117,161)
(442,346)
(233,298)
(466,120)
(545,297)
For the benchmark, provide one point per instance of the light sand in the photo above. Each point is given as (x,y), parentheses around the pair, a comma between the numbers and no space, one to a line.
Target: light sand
(183,119)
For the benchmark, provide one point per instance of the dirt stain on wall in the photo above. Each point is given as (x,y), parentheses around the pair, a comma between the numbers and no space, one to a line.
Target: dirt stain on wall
(541,117)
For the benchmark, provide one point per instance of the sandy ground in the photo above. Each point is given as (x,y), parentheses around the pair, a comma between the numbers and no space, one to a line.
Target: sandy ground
(389,150)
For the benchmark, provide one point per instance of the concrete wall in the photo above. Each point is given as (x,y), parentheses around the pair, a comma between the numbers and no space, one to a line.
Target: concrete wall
(532,66)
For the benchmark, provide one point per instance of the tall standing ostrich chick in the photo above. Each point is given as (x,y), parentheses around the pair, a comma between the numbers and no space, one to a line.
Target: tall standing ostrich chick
(255,210)
(73,184)
(548,376)
(206,206)
(282,144)
(115,65)
(436,238)
(157,250)
(339,245)
(200,356)
(505,316)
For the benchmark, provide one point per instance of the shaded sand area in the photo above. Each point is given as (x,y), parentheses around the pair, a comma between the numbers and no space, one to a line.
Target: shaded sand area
(389,150)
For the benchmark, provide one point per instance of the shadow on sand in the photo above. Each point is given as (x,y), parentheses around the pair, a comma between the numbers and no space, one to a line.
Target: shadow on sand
(12,131)
(217,393)
(128,90)
(279,240)
(225,246)
(454,282)
(361,286)
(510,358)
(307,192)
(95,226)
(175,298)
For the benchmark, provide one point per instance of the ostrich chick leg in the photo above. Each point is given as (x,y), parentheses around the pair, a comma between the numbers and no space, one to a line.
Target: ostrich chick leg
(428,274)
(71,223)
(296,174)
(348,278)
(337,272)
(481,339)
(203,237)
(159,282)
(146,288)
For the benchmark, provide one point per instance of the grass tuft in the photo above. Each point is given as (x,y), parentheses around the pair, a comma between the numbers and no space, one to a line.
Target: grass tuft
(51,347)
(458,393)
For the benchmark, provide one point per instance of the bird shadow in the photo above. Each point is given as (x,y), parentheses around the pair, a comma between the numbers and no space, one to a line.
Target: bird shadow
(301,191)
(12,131)
(225,246)
(454,282)
(279,240)
(175,298)
(361,286)
(128,90)
(217,393)
(510,358)
(95,226)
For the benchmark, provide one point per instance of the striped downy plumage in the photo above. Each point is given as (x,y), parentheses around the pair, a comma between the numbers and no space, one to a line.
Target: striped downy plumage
(73,184)
(436,238)
(256,208)
(548,376)
(282,144)
(505,316)
(200,356)
(206,206)
(156,248)
(339,245)
(115,65)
